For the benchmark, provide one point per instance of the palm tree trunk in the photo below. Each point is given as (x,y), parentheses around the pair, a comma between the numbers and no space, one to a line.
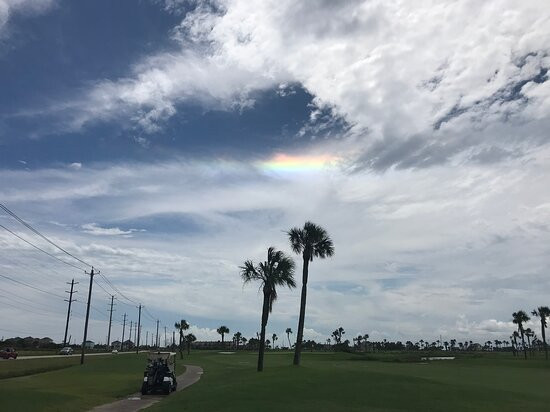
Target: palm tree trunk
(300,335)
(181,345)
(544,338)
(288,337)
(523,344)
(265,314)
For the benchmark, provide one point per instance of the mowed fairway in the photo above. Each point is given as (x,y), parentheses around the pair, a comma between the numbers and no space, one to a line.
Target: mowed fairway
(342,382)
(100,380)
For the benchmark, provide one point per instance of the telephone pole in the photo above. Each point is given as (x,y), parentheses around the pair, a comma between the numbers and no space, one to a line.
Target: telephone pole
(157,338)
(69,310)
(138,330)
(147,337)
(130,331)
(110,321)
(87,315)
(165,336)
(123,328)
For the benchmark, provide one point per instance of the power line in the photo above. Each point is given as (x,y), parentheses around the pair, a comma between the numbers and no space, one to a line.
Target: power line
(40,249)
(32,287)
(28,226)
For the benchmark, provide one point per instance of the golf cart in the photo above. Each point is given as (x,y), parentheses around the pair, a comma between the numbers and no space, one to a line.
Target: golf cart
(160,373)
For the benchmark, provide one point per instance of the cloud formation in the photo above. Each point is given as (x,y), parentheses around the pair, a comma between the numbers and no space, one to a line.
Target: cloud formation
(417,84)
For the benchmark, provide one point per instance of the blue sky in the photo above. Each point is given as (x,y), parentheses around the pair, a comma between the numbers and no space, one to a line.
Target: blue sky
(169,141)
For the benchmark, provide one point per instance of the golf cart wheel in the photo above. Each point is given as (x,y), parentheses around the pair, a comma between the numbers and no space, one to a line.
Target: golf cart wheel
(144,389)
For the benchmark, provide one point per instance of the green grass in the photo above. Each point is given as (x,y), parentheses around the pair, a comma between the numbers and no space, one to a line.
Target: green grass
(22,367)
(324,382)
(100,380)
(344,382)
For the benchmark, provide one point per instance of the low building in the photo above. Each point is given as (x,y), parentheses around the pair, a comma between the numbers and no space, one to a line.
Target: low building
(116,345)
(89,344)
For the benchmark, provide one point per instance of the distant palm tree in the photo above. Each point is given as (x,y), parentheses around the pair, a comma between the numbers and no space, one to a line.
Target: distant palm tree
(530,334)
(237,337)
(310,241)
(222,330)
(189,339)
(274,338)
(543,312)
(519,318)
(181,326)
(288,332)
(277,270)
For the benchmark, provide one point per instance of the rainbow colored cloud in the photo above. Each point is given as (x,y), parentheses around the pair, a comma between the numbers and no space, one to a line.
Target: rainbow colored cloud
(282,162)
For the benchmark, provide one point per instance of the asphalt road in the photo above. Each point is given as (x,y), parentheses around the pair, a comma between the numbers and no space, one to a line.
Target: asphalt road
(78,355)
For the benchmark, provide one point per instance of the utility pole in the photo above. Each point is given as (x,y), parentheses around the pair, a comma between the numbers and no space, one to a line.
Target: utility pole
(165,336)
(130,331)
(138,330)
(123,327)
(110,321)
(87,315)
(147,338)
(69,310)
(157,339)
(173,337)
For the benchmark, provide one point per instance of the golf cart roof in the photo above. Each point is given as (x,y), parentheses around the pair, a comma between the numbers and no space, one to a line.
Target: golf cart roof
(160,355)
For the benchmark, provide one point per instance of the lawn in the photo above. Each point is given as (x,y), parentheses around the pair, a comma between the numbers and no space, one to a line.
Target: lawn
(75,388)
(342,382)
(324,382)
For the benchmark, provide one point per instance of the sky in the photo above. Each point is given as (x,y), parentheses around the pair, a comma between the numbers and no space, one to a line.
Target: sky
(165,142)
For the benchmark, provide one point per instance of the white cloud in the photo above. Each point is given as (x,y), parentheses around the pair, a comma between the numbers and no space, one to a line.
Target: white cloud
(414,249)
(31,7)
(426,80)
(94,229)
(75,166)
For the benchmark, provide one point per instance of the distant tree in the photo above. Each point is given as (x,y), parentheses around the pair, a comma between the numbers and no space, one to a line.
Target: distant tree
(446,344)
(222,330)
(529,334)
(514,341)
(519,318)
(288,332)
(277,270)
(267,343)
(543,313)
(189,339)
(310,241)
(181,326)
(237,338)
(274,337)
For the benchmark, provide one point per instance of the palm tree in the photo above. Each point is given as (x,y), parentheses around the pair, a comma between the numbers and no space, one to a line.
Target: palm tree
(181,326)
(190,338)
(519,318)
(274,338)
(222,330)
(277,270)
(543,312)
(310,241)
(237,338)
(288,332)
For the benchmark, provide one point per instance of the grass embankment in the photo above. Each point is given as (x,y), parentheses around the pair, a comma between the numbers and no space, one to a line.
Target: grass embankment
(343,382)
(100,380)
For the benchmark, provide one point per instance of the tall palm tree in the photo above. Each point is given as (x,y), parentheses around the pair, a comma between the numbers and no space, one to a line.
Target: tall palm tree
(519,318)
(288,332)
(222,330)
(543,312)
(181,326)
(310,241)
(277,270)
(514,342)
(274,337)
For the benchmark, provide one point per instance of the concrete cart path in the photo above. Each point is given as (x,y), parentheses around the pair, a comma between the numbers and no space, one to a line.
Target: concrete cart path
(137,401)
